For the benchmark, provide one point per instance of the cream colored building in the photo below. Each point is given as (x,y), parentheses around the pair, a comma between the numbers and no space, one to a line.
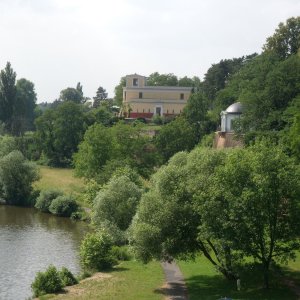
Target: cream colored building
(142,101)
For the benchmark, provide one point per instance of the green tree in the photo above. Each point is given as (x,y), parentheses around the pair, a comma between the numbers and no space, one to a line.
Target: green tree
(156,79)
(175,136)
(121,142)
(7,96)
(116,202)
(94,151)
(191,82)
(71,94)
(59,131)
(100,96)
(16,178)
(286,39)
(257,190)
(95,251)
(118,99)
(196,113)
(26,99)
(218,75)
(168,218)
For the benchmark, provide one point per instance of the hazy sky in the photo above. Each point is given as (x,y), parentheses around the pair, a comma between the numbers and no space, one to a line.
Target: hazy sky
(57,43)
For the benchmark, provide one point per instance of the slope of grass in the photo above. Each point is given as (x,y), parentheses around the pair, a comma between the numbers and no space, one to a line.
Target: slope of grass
(204,282)
(58,178)
(130,280)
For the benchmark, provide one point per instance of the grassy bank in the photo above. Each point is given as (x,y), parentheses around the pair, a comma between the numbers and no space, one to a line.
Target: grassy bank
(130,280)
(59,178)
(204,282)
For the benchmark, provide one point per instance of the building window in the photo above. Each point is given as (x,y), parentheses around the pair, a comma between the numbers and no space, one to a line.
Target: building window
(173,111)
(182,96)
(137,110)
(167,111)
(125,95)
(140,95)
(143,110)
(149,110)
(135,82)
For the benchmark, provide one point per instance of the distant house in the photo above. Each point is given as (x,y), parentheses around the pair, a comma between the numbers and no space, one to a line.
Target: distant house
(225,138)
(143,101)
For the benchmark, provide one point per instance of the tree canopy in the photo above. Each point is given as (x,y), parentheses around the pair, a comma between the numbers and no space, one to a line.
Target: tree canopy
(226,204)
(286,39)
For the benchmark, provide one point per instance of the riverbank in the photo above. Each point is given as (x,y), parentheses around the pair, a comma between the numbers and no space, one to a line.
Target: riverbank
(129,280)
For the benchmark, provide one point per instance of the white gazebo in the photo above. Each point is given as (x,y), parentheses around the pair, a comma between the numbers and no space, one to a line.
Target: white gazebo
(232,113)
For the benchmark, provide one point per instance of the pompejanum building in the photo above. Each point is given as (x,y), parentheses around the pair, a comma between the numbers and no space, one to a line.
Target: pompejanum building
(143,101)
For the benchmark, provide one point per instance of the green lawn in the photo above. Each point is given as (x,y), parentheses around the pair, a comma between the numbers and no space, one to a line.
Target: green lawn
(129,281)
(59,178)
(205,283)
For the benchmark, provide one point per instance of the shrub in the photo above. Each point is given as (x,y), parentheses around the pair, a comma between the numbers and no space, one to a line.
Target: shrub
(31,200)
(16,178)
(116,202)
(67,277)
(121,253)
(45,199)
(95,251)
(47,282)
(63,206)
(117,235)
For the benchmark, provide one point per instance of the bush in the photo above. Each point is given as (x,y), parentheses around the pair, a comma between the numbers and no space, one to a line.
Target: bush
(16,178)
(121,253)
(47,282)
(116,202)
(45,199)
(31,200)
(67,277)
(117,235)
(63,206)
(95,251)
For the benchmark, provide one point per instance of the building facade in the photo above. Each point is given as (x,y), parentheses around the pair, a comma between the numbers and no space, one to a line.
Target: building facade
(142,101)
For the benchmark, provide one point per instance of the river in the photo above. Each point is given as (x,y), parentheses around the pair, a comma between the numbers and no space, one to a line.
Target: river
(29,242)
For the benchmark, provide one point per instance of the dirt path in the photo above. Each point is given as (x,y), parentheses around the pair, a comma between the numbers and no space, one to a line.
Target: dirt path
(175,288)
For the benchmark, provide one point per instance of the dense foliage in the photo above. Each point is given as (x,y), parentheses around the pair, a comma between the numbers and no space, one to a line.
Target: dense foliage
(47,282)
(113,147)
(45,199)
(116,202)
(63,206)
(59,132)
(16,178)
(95,251)
(17,102)
(242,202)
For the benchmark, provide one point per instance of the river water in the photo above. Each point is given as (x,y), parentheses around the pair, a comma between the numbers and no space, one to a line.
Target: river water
(29,242)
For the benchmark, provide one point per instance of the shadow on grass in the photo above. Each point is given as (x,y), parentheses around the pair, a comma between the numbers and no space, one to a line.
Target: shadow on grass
(216,287)
(291,274)
(118,269)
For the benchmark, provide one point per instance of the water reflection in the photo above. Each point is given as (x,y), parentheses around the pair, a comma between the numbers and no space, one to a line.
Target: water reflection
(29,242)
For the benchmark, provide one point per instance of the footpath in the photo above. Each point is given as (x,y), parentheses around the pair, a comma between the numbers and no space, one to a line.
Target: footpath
(175,288)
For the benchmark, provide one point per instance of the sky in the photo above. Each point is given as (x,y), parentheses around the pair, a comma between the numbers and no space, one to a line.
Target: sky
(57,43)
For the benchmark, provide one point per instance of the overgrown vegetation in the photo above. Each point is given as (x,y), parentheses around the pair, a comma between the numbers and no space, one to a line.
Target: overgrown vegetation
(52,281)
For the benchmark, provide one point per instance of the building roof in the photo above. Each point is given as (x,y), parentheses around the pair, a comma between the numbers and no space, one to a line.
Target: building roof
(235,108)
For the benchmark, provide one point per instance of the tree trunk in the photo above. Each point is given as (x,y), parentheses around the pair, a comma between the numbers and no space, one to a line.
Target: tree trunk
(227,273)
(266,265)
